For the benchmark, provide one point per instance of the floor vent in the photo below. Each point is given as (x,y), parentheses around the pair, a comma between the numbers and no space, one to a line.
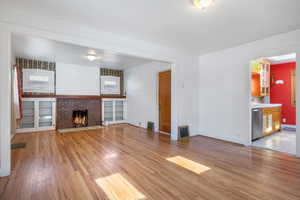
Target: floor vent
(150,126)
(183,131)
(18,146)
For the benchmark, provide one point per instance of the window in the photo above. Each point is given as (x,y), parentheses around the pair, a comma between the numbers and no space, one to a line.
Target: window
(110,85)
(38,81)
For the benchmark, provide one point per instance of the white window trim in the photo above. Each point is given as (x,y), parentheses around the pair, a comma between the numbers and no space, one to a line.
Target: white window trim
(115,91)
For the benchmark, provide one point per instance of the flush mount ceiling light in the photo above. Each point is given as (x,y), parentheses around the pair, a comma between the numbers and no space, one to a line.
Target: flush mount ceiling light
(203,4)
(91,57)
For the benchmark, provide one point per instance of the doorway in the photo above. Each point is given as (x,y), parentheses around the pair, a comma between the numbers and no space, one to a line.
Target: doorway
(273,103)
(164,101)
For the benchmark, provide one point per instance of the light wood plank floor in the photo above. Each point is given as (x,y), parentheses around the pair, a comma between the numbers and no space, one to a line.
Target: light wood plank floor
(74,165)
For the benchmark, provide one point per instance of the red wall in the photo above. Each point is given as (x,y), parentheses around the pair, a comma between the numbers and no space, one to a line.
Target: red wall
(282,93)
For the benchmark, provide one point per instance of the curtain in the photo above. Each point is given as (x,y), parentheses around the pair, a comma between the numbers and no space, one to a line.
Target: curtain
(17,93)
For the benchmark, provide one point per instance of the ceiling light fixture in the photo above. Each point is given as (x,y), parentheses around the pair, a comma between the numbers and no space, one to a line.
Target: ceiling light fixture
(91,57)
(203,4)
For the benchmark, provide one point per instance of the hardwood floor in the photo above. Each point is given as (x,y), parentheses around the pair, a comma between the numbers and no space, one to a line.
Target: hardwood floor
(102,164)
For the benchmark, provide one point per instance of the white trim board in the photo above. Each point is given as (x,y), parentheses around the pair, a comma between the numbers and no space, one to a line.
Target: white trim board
(5,102)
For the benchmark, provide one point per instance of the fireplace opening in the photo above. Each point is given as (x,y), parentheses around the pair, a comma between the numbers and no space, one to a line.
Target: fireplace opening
(80,118)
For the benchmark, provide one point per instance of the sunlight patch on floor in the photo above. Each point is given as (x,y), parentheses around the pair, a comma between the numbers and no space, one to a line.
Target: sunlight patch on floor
(188,164)
(116,187)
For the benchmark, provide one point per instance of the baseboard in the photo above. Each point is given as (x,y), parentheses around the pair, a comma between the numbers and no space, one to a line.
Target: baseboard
(135,126)
(140,127)
(68,130)
(165,133)
(288,126)
(225,139)
(32,130)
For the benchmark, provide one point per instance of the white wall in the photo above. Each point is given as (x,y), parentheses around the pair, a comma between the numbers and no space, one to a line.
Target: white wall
(5,101)
(77,80)
(224,86)
(187,95)
(141,86)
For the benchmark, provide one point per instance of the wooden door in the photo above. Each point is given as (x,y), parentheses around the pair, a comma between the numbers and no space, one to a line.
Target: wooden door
(165,101)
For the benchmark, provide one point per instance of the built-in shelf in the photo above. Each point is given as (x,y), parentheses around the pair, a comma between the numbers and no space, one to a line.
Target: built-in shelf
(113,111)
(38,114)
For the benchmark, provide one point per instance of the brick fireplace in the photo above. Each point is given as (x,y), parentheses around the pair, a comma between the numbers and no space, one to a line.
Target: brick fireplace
(66,107)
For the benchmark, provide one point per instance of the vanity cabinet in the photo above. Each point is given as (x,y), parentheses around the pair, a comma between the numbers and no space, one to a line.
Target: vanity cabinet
(113,110)
(260,78)
(38,114)
(271,120)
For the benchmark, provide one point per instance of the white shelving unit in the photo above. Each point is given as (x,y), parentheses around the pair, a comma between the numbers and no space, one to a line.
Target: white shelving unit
(38,114)
(113,111)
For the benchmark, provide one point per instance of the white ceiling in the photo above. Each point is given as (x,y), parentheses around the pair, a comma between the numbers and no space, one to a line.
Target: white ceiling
(48,50)
(173,23)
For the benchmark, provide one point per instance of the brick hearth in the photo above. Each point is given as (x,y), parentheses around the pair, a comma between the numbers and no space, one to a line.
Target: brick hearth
(65,107)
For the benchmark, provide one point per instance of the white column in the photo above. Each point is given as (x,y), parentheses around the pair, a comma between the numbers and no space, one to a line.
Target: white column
(174,101)
(297,103)
(5,102)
